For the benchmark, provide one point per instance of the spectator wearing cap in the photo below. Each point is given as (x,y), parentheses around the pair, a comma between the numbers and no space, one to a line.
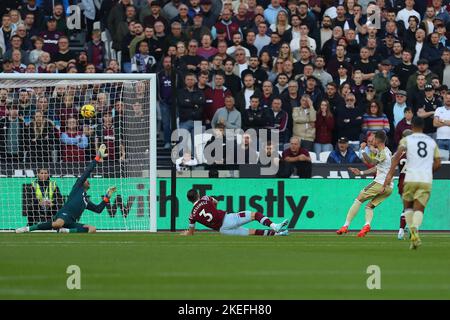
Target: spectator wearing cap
(152,13)
(399,106)
(51,36)
(343,154)
(426,109)
(422,69)
(381,79)
(405,13)
(304,120)
(198,29)
(432,51)
(349,121)
(342,76)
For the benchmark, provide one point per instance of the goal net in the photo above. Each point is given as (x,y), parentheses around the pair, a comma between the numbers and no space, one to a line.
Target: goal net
(45,145)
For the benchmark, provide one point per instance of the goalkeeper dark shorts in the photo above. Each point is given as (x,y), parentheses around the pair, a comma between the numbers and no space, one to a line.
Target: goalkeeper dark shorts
(69,221)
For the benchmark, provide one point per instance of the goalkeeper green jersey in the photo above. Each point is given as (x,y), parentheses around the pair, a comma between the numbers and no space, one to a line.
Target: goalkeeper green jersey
(78,199)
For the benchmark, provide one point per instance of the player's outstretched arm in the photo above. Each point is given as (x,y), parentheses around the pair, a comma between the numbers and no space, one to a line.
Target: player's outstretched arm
(98,208)
(87,172)
(188,232)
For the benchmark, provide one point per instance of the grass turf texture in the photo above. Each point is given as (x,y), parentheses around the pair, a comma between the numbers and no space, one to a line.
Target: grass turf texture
(211,266)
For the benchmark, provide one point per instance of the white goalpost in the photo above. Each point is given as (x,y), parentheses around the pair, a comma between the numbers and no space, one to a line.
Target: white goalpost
(45,145)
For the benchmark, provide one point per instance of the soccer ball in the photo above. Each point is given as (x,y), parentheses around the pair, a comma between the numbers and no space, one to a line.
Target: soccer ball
(87,111)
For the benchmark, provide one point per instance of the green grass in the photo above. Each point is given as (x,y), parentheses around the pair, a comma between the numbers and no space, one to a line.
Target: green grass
(211,266)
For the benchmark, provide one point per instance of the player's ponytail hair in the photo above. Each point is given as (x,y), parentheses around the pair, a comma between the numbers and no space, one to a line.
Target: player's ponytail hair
(192,195)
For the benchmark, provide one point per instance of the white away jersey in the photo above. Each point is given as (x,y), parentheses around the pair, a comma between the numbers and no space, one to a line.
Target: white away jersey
(383,158)
(420,152)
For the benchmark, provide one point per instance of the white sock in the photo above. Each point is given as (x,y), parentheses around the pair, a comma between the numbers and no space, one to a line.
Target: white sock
(417,219)
(352,212)
(409,217)
(369,215)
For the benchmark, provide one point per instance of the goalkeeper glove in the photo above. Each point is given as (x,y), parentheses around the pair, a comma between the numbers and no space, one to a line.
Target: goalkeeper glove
(109,193)
(101,153)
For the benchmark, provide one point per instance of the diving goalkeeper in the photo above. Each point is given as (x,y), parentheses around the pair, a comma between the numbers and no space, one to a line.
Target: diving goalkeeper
(66,219)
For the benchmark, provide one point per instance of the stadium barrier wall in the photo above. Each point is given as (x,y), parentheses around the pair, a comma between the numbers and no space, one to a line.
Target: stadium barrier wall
(317,204)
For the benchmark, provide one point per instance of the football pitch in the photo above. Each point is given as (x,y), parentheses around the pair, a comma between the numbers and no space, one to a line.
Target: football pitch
(211,266)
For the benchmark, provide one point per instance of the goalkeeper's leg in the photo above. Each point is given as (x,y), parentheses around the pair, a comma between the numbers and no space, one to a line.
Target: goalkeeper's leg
(78,228)
(48,225)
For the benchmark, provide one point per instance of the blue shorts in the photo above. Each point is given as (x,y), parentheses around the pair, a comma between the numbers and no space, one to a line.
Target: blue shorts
(232,223)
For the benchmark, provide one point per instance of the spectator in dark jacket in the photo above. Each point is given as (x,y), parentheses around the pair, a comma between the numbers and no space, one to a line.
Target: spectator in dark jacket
(349,121)
(277,119)
(343,154)
(12,136)
(294,159)
(254,117)
(191,103)
(432,50)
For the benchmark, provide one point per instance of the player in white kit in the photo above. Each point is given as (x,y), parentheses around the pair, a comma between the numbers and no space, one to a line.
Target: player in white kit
(372,192)
(423,158)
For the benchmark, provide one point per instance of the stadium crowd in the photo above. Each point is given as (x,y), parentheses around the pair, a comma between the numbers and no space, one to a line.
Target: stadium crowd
(329,72)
